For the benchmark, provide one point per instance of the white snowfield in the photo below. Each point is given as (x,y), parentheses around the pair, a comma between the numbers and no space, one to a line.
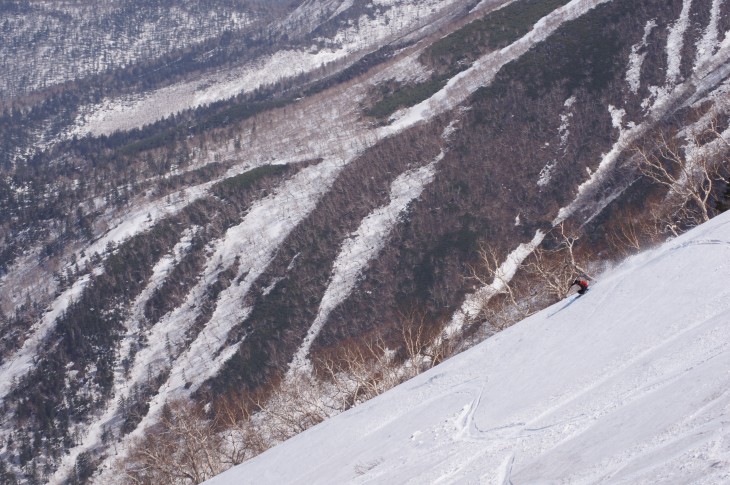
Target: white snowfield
(629,384)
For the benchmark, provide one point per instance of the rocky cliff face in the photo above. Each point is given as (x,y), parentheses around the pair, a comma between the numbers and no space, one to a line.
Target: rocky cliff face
(272,182)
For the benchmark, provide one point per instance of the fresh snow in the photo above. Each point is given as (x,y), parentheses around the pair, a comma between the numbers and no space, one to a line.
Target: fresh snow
(626,385)
(711,68)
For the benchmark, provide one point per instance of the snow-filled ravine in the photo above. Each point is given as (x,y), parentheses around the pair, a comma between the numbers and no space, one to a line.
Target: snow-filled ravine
(628,384)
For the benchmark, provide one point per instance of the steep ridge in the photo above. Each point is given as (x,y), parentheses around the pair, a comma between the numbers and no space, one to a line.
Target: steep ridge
(627,384)
(285,263)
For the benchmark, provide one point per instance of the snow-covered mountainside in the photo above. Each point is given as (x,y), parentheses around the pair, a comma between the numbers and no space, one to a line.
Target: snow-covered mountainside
(316,197)
(625,385)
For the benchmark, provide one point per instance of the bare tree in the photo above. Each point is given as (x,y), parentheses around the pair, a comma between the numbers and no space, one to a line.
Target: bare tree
(638,229)
(424,344)
(557,267)
(361,370)
(487,274)
(183,448)
(233,420)
(691,180)
(297,404)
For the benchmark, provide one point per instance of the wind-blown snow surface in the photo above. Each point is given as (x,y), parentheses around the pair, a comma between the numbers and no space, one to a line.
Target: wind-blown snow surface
(629,384)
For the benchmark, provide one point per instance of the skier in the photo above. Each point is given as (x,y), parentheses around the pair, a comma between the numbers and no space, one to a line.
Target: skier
(582,283)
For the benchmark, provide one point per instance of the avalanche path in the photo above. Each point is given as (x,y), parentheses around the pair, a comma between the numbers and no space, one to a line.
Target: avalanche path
(627,385)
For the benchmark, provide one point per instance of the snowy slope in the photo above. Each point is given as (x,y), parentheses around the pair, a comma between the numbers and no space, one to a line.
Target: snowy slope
(629,384)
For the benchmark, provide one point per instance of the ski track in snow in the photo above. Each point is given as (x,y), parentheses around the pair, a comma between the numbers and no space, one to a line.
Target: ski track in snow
(337,147)
(320,140)
(709,71)
(480,74)
(630,385)
(624,133)
(294,145)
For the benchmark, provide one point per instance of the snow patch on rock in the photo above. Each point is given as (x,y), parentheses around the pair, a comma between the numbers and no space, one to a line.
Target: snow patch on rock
(675,43)
(708,43)
(636,58)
